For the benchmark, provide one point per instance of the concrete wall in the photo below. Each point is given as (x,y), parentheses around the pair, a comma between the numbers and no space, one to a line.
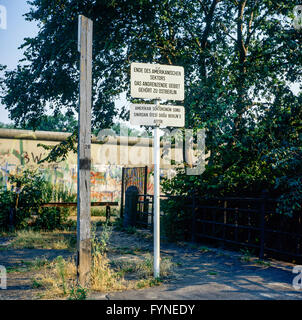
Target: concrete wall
(19,149)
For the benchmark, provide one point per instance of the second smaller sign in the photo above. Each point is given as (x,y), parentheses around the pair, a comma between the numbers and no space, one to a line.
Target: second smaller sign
(160,115)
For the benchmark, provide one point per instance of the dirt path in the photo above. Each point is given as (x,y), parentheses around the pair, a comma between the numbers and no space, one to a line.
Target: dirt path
(199,272)
(19,280)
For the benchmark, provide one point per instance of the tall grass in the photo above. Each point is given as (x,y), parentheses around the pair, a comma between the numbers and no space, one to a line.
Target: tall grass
(59,280)
(30,239)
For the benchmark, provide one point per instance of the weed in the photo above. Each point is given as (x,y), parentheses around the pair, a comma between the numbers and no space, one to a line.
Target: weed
(96,212)
(62,272)
(36,284)
(246,255)
(193,246)
(204,249)
(35,264)
(43,240)
(102,276)
(263,263)
(148,283)
(130,230)
(99,244)
(126,250)
(56,278)
(14,269)
(77,293)
(144,268)
(118,224)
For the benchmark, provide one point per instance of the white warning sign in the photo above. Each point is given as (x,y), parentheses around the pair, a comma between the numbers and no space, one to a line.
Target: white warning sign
(157,115)
(157,81)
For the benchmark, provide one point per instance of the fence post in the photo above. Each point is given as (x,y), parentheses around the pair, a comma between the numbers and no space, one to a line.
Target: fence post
(264,197)
(193,217)
(122,194)
(11,219)
(108,211)
(146,206)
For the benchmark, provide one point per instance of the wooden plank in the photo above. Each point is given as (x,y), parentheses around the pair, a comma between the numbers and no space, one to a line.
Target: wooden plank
(84,153)
(74,204)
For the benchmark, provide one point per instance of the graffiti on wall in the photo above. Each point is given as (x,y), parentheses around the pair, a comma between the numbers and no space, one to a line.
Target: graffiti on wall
(16,154)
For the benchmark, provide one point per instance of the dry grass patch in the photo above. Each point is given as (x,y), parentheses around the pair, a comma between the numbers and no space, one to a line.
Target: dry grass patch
(141,269)
(58,278)
(30,239)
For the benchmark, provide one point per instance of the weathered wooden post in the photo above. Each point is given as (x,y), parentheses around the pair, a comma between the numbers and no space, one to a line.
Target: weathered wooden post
(84,152)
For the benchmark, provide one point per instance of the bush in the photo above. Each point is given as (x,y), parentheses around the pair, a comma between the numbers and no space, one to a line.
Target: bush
(26,194)
(29,190)
(6,202)
(52,218)
(176,221)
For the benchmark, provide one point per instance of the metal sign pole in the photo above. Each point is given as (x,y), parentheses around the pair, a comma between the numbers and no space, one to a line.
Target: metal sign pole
(156,229)
(145,78)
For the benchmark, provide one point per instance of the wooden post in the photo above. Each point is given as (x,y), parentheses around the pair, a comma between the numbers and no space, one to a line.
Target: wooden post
(108,214)
(84,153)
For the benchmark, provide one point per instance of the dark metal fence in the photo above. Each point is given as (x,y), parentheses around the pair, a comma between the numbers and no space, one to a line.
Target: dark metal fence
(238,222)
(145,210)
(249,222)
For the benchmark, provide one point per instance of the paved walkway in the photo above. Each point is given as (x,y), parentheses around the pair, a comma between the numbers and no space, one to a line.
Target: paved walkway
(217,275)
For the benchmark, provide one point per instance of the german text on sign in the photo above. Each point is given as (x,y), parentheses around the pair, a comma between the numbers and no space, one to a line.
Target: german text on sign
(161,115)
(157,81)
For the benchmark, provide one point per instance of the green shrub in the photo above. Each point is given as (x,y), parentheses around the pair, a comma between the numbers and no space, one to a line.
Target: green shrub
(96,212)
(26,194)
(29,190)
(6,202)
(176,221)
(52,218)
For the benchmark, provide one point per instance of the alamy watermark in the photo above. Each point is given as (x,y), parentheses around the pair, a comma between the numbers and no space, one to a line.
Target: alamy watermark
(297,281)
(3,278)
(3,17)
(297,23)
(179,148)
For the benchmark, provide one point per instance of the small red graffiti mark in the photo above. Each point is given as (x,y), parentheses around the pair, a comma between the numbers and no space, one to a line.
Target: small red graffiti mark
(97,177)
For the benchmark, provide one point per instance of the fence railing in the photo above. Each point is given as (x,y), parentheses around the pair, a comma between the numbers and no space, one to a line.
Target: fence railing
(107,204)
(250,222)
(145,210)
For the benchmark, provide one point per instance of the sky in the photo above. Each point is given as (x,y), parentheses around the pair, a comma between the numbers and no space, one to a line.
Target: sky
(11,38)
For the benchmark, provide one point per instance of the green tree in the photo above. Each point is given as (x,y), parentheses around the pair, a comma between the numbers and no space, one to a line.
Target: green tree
(124,31)
(58,123)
